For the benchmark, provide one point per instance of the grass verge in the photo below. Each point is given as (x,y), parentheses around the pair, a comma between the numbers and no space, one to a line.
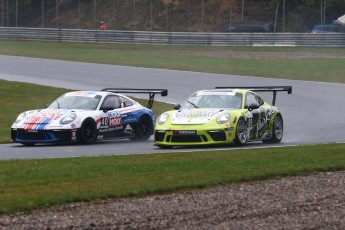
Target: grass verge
(191,58)
(27,184)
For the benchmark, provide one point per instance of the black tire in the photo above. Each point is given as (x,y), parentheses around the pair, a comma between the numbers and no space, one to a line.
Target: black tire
(144,129)
(28,144)
(165,146)
(88,132)
(241,132)
(277,130)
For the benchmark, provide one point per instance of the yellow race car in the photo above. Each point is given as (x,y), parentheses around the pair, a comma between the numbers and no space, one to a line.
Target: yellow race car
(222,115)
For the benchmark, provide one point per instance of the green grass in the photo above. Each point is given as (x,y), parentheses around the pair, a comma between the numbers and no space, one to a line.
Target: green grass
(27,184)
(187,58)
(17,97)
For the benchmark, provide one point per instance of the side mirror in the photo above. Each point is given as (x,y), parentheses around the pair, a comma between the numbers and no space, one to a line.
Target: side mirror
(253,106)
(177,106)
(107,108)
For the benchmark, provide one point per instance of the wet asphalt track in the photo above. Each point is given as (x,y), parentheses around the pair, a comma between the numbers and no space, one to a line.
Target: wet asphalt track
(313,113)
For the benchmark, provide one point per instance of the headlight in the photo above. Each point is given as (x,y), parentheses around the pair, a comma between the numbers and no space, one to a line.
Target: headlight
(69,118)
(223,118)
(20,117)
(163,118)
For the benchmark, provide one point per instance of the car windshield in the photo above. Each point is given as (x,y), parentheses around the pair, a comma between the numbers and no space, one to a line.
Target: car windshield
(208,99)
(76,102)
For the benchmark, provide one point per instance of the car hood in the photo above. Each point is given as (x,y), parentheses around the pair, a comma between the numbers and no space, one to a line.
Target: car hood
(46,114)
(41,119)
(194,116)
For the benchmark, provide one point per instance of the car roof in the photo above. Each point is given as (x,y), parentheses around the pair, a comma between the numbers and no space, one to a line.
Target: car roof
(224,90)
(90,93)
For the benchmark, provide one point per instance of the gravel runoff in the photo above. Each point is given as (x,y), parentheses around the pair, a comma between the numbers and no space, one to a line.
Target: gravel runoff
(304,202)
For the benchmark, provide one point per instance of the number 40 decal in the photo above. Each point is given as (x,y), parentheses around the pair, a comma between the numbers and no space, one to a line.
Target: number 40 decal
(105,121)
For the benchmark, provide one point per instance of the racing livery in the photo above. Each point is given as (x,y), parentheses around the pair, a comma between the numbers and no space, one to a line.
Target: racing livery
(87,116)
(221,116)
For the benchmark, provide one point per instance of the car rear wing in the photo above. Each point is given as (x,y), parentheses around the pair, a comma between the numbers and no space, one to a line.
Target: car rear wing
(151,92)
(273,89)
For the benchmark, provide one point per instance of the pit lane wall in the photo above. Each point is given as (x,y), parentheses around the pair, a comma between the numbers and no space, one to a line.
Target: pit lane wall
(173,38)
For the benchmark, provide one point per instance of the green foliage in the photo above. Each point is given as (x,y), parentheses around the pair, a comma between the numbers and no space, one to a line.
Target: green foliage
(183,15)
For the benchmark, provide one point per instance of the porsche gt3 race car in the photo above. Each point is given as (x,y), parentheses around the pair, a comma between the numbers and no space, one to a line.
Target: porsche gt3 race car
(221,116)
(85,116)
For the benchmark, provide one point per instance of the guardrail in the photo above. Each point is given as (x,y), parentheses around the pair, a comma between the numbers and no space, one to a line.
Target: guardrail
(173,38)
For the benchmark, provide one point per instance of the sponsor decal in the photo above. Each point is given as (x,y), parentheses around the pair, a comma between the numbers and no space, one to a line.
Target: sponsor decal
(82,93)
(104,130)
(114,114)
(73,135)
(128,129)
(130,119)
(115,121)
(200,114)
(32,131)
(267,118)
(56,126)
(228,127)
(185,132)
(115,118)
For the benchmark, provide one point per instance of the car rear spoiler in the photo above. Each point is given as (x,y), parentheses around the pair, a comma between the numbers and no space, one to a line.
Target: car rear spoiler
(151,92)
(273,89)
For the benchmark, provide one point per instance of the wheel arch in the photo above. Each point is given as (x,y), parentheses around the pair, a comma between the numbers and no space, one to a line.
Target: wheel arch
(81,136)
(146,116)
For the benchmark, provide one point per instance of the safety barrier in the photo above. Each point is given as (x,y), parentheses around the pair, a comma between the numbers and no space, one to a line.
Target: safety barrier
(173,38)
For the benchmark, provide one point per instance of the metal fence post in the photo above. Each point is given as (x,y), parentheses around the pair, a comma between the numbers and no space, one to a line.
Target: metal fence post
(42,13)
(94,14)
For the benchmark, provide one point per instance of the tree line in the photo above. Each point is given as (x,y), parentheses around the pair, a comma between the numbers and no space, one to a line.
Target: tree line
(169,15)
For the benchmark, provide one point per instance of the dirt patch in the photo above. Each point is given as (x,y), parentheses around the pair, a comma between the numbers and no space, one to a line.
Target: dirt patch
(304,202)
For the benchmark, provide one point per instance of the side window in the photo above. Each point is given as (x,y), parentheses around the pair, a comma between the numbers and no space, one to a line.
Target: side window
(250,99)
(125,102)
(259,100)
(112,102)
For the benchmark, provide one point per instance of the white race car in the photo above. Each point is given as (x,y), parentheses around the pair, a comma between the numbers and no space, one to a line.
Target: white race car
(85,116)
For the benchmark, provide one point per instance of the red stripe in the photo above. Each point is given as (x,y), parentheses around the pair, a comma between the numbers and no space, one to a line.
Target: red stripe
(32,122)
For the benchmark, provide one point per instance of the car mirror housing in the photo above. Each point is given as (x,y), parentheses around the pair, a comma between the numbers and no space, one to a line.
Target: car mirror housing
(253,106)
(177,106)
(107,108)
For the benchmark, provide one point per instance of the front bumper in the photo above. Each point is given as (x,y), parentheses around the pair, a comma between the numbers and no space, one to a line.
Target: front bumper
(43,136)
(179,137)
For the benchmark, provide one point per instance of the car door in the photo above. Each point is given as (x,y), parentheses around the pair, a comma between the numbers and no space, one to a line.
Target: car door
(254,116)
(111,121)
